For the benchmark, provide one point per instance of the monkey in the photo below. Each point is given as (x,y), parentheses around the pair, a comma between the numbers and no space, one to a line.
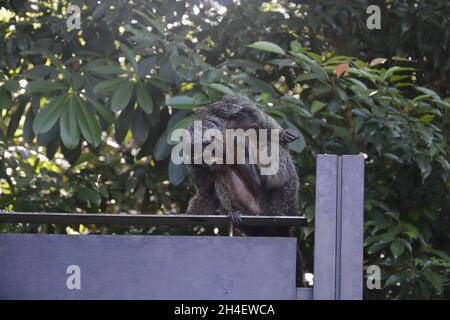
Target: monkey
(233,189)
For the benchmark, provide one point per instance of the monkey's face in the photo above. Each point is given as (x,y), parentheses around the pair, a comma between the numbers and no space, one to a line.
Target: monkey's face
(202,137)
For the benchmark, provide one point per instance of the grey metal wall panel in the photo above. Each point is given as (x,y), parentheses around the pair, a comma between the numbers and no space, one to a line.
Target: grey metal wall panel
(305,293)
(351,278)
(325,228)
(147,267)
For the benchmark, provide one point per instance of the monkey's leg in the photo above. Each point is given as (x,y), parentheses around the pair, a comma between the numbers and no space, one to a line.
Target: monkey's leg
(283,201)
(204,201)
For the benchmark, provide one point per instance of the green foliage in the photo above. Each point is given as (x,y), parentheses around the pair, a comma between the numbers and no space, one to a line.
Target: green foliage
(86,115)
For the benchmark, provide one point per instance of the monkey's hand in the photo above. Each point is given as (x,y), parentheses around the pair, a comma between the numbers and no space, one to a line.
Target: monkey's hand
(288,136)
(235,216)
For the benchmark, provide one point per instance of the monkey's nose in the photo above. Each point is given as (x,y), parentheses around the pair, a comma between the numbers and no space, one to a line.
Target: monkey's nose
(210,167)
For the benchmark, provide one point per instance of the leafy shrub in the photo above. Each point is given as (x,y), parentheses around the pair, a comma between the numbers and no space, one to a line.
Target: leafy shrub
(86,115)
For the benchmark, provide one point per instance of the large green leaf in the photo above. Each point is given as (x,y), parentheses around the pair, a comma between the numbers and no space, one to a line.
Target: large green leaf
(282,63)
(39,72)
(182,124)
(177,173)
(47,116)
(108,69)
(15,119)
(317,105)
(162,148)
(122,96)
(435,279)
(428,92)
(181,102)
(410,230)
(68,125)
(427,118)
(109,85)
(123,123)
(311,65)
(152,21)
(130,55)
(5,98)
(242,63)
(44,86)
(397,248)
(145,65)
(267,46)
(144,98)
(221,88)
(391,71)
(424,164)
(87,122)
(103,111)
(11,85)
(140,126)
(28,134)
(394,279)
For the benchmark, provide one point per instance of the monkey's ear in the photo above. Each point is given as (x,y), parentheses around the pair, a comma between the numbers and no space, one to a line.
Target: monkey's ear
(287,136)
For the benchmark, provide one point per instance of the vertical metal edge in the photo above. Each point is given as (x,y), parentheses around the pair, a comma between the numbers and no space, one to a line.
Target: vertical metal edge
(325,228)
(338,228)
(352,224)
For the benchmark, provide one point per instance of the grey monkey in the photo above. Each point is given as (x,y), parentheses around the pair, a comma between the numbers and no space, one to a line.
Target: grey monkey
(239,188)
(235,189)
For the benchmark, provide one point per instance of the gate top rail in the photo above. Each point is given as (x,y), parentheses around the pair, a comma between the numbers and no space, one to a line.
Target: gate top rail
(147,219)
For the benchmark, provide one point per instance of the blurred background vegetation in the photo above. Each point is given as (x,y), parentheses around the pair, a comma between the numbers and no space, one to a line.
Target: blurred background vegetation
(85,114)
